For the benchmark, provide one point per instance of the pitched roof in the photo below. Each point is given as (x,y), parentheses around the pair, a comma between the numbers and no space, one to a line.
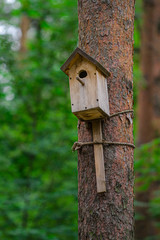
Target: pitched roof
(74,56)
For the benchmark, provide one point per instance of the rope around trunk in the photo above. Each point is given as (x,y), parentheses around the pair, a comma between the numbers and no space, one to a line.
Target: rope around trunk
(79,145)
(118,113)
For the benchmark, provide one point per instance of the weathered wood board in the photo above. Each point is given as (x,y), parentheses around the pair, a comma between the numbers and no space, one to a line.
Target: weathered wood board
(99,157)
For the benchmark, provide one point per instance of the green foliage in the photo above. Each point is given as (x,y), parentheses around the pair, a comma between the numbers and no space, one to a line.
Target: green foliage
(147,168)
(147,163)
(38,181)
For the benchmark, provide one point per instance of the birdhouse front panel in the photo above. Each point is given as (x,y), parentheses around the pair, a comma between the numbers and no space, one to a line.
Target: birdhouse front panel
(88,90)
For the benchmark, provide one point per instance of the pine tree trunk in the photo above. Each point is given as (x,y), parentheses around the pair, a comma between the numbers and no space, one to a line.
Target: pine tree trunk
(149,100)
(106,33)
(156,70)
(149,95)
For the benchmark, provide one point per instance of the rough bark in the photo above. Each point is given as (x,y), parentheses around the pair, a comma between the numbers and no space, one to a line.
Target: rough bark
(106,33)
(149,100)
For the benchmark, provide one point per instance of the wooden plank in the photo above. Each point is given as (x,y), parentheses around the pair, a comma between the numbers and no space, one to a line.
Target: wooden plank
(99,157)
(90,114)
(102,92)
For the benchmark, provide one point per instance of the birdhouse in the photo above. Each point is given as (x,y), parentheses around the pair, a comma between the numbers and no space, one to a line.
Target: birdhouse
(88,86)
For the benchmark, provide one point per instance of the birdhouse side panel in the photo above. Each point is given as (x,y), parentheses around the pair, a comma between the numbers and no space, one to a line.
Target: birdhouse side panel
(102,91)
(83,91)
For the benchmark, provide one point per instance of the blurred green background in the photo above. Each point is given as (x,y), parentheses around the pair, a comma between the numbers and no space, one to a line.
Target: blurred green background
(38,171)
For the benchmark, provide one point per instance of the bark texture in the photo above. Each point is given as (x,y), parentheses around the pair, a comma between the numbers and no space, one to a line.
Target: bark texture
(149,100)
(106,33)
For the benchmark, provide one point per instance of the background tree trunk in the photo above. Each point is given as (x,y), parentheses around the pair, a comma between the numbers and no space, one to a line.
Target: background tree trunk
(106,33)
(149,101)
(25,23)
(156,70)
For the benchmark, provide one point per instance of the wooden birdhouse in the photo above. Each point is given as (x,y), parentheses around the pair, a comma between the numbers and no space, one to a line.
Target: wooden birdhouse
(89,100)
(88,86)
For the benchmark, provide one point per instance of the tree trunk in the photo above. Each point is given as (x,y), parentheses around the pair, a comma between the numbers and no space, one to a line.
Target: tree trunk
(25,23)
(156,70)
(106,33)
(149,100)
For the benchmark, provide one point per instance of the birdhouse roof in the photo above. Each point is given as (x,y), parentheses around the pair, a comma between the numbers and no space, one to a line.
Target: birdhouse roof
(80,53)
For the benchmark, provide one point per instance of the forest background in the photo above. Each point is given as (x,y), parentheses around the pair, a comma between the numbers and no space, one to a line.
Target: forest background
(38,171)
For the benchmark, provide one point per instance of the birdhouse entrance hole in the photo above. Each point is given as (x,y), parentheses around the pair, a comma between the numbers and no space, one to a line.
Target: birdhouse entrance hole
(82,74)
